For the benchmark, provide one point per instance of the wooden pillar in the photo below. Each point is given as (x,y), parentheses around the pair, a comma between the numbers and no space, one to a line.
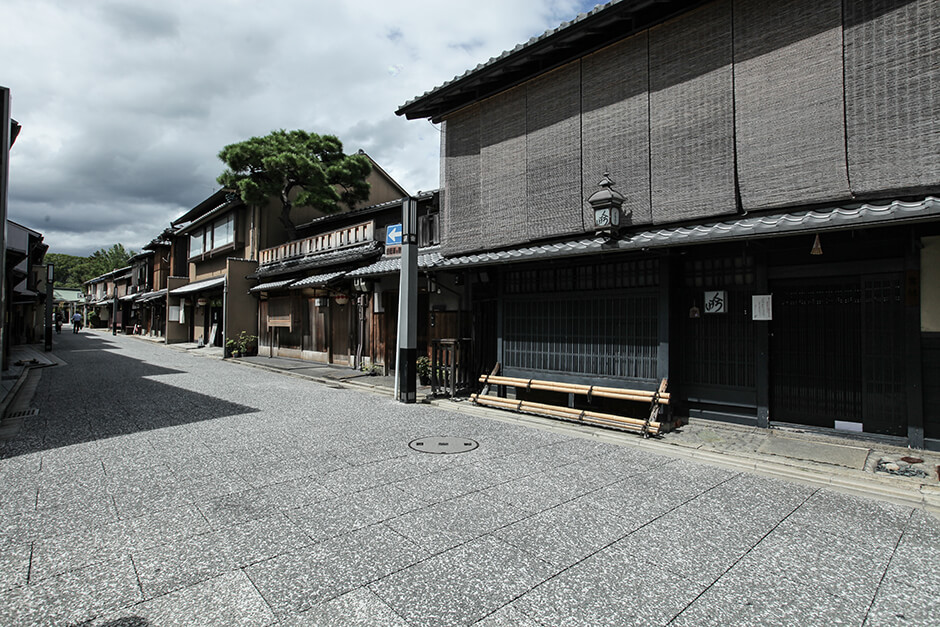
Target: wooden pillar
(762,347)
(912,345)
(662,356)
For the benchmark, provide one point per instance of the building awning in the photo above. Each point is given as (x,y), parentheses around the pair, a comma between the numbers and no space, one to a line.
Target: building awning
(757,227)
(149,296)
(318,280)
(199,286)
(128,298)
(271,286)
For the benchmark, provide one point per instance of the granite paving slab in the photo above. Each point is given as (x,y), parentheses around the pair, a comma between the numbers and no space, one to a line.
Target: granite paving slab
(448,524)
(370,475)
(360,607)
(73,516)
(836,514)
(334,517)
(906,601)
(181,563)
(463,585)
(71,597)
(566,534)
(294,582)
(758,596)
(61,553)
(234,508)
(822,452)
(262,539)
(608,589)
(507,616)
(229,600)
(14,563)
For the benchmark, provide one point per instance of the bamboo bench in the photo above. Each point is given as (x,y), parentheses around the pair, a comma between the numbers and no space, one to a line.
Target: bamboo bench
(658,400)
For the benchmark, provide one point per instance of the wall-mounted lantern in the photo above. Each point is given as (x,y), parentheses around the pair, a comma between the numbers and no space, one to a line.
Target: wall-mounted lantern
(607,203)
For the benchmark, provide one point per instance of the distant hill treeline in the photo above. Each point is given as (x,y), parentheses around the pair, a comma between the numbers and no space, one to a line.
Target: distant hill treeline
(72,271)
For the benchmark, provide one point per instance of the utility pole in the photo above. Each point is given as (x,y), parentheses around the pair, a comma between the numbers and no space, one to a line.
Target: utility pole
(408,305)
(50,277)
(6,142)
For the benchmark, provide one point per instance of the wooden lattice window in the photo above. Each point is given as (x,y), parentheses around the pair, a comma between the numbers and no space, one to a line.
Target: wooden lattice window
(609,335)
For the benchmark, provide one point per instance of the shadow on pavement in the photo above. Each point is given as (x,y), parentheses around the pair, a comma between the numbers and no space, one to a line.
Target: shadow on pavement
(102,393)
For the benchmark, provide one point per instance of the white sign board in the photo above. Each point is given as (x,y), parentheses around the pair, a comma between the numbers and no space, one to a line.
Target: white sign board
(716,302)
(762,307)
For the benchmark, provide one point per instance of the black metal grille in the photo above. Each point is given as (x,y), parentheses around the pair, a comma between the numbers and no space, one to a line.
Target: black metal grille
(615,275)
(612,335)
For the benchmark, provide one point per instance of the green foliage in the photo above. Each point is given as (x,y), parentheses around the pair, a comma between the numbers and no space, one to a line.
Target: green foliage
(244,344)
(68,269)
(423,368)
(72,271)
(297,168)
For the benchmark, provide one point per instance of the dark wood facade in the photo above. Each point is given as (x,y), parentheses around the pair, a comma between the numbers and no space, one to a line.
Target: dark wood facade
(705,117)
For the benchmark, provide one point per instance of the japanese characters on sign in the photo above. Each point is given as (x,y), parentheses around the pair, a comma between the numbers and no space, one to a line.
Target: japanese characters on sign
(762,307)
(716,302)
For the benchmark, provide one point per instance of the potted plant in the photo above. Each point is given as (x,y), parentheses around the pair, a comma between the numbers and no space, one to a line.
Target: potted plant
(243,345)
(423,368)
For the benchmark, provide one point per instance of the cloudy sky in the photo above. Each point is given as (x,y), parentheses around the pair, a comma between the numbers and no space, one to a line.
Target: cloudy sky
(125,104)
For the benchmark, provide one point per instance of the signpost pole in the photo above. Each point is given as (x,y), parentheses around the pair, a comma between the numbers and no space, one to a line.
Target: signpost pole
(406,379)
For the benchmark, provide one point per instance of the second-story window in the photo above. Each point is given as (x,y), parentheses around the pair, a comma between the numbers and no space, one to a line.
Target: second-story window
(216,235)
(223,231)
(197,243)
(429,231)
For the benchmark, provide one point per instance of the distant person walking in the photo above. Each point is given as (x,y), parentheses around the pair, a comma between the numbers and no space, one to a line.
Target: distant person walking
(76,322)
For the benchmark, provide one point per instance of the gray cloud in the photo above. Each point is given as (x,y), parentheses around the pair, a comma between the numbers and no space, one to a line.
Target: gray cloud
(125,105)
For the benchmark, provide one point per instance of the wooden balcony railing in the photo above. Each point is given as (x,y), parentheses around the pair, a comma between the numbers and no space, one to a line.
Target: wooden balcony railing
(335,240)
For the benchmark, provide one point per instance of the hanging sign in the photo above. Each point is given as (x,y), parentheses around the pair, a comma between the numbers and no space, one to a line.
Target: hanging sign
(762,307)
(716,302)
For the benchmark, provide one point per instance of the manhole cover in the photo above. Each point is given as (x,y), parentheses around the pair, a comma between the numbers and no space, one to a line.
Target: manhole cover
(443,444)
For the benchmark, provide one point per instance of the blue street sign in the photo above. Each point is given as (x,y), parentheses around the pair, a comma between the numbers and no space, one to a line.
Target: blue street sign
(393,235)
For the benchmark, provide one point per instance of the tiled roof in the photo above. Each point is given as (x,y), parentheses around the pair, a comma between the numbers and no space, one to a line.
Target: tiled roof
(587,32)
(776,225)
(272,285)
(392,265)
(856,216)
(335,257)
(317,280)
(149,296)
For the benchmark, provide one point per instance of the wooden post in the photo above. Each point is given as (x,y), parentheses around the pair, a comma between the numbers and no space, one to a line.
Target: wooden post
(762,348)
(912,344)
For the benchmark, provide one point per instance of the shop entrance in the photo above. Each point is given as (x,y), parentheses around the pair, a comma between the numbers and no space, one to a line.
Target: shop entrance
(836,353)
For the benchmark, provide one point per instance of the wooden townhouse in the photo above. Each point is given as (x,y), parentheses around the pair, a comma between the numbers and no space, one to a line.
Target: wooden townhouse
(764,231)
(107,303)
(222,240)
(332,296)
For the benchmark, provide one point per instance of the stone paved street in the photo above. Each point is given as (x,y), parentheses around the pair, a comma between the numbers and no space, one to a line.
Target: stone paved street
(158,488)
